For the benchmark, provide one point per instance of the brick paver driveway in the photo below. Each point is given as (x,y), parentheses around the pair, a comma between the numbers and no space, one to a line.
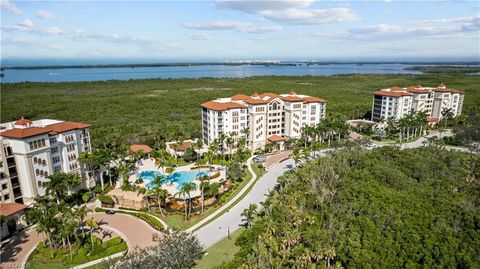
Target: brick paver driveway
(137,233)
(17,251)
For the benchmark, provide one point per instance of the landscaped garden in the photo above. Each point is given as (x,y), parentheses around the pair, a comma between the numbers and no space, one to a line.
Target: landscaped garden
(44,257)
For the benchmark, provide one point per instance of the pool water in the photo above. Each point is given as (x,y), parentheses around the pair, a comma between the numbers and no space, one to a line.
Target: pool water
(181,178)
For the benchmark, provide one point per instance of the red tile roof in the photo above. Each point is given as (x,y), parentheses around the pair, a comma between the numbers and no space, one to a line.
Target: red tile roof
(392,94)
(240,97)
(144,148)
(312,99)
(50,129)
(23,121)
(221,106)
(7,209)
(292,99)
(276,138)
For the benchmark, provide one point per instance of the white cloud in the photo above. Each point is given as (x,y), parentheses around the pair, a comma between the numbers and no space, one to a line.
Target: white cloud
(10,7)
(288,11)
(444,28)
(47,15)
(81,35)
(15,41)
(242,27)
(200,36)
(26,23)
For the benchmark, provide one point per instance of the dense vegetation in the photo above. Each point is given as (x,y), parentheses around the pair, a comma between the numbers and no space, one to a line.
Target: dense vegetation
(173,251)
(356,208)
(147,111)
(446,69)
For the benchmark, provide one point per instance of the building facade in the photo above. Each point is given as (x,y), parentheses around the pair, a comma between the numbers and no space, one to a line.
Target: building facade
(261,117)
(33,150)
(396,102)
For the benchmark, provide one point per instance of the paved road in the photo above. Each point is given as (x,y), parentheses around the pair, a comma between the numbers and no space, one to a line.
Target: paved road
(218,229)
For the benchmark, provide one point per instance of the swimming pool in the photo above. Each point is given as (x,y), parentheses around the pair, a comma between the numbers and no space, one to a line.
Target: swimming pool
(181,178)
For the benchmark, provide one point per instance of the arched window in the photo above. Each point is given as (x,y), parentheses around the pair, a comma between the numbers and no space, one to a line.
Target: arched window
(37,172)
(44,162)
(41,173)
(45,174)
(34,159)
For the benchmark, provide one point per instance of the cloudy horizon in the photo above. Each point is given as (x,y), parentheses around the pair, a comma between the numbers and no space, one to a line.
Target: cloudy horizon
(228,30)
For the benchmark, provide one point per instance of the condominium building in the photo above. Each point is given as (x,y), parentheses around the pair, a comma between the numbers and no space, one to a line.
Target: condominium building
(33,150)
(396,102)
(266,117)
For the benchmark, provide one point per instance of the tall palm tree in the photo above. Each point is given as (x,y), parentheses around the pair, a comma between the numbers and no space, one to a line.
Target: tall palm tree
(246,134)
(186,191)
(56,185)
(204,182)
(229,142)
(94,226)
(159,192)
(198,145)
(72,180)
(250,213)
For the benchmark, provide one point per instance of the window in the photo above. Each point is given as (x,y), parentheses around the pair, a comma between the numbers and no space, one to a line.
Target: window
(297,106)
(37,172)
(34,159)
(4,186)
(44,162)
(57,169)
(55,150)
(260,109)
(53,140)
(6,197)
(56,159)
(235,113)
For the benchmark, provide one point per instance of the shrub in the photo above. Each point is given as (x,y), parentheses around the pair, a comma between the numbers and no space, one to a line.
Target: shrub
(106,200)
(200,167)
(139,181)
(87,196)
(217,174)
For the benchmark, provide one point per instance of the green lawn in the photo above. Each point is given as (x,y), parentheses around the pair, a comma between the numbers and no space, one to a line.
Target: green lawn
(41,258)
(222,251)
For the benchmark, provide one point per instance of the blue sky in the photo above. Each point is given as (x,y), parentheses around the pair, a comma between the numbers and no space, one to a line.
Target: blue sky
(232,30)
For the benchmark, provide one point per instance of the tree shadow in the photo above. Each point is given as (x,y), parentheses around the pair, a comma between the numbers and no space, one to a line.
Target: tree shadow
(10,251)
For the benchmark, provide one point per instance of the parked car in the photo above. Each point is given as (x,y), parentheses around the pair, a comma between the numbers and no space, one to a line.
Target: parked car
(259,159)
(110,212)
(372,146)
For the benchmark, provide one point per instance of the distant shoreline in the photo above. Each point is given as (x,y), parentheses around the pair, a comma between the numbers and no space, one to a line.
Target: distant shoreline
(299,63)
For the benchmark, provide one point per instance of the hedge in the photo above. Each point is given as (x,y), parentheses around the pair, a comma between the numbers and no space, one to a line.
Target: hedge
(106,200)
(200,167)
(152,221)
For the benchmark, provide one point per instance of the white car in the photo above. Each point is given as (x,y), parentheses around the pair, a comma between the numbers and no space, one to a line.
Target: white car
(372,146)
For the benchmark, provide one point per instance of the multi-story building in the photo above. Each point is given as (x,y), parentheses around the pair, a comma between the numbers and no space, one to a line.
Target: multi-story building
(396,102)
(33,150)
(265,117)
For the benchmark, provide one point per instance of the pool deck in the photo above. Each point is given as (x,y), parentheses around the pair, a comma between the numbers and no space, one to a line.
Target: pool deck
(149,165)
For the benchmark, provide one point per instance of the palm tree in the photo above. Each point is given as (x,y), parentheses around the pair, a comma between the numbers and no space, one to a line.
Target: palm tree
(204,182)
(221,141)
(72,180)
(57,185)
(158,192)
(94,226)
(229,142)
(79,216)
(198,145)
(246,134)
(185,191)
(250,213)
